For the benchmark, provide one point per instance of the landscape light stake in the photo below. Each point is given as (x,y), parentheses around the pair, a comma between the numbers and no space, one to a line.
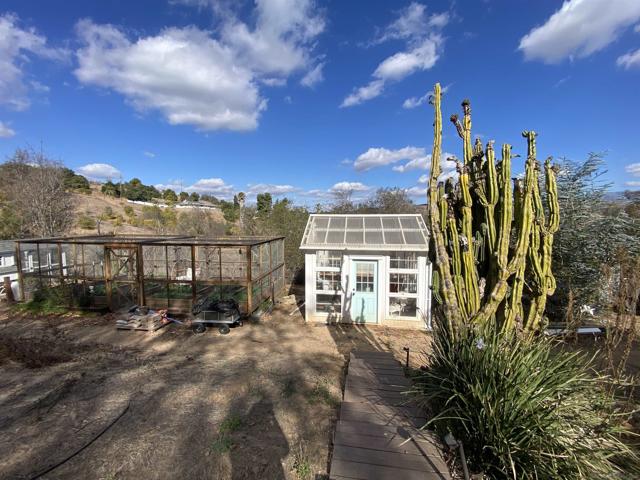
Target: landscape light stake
(492,235)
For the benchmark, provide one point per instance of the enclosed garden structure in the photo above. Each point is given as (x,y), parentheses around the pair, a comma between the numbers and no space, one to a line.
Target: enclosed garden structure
(367,269)
(160,272)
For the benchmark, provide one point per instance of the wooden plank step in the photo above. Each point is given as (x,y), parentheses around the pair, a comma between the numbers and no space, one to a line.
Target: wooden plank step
(391,362)
(395,443)
(383,418)
(375,396)
(357,366)
(384,459)
(383,409)
(341,469)
(384,370)
(370,354)
(386,431)
(362,383)
(378,377)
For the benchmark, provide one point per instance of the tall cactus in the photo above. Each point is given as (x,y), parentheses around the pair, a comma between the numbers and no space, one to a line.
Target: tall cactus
(493,240)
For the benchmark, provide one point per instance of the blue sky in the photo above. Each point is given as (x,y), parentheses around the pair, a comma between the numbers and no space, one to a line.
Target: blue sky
(305,98)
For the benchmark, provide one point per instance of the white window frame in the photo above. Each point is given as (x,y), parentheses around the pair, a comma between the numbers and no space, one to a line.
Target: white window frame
(413,271)
(332,269)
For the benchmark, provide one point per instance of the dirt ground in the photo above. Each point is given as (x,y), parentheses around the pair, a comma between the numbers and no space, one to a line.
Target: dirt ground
(260,402)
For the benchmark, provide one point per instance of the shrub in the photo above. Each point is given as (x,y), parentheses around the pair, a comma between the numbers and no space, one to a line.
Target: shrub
(86,222)
(522,408)
(128,210)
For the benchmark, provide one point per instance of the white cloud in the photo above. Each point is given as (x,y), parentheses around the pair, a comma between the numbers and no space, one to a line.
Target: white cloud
(417,191)
(349,187)
(211,186)
(633,169)
(633,183)
(414,158)
(423,47)
(176,185)
(414,102)
(579,28)
(149,154)
(378,157)
(362,94)
(424,163)
(313,76)
(17,46)
(629,60)
(271,188)
(193,77)
(401,64)
(195,83)
(423,179)
(99,171)
(6,131)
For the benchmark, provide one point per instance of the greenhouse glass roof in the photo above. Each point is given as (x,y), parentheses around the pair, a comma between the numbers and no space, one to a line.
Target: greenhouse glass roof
(365,232)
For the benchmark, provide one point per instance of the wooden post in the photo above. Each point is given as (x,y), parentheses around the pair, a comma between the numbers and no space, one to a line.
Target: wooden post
(20,274)
(193,275)
(140,274)
(8,291)
(107,275)
(249,285)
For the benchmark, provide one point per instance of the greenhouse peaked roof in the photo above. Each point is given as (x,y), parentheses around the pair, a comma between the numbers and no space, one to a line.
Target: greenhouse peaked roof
(365,232)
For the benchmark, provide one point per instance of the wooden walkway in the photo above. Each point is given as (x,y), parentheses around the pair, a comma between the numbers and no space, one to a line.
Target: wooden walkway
(376,436)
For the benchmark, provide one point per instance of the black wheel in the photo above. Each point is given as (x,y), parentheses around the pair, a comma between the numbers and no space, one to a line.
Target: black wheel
(224,329)
(199,328)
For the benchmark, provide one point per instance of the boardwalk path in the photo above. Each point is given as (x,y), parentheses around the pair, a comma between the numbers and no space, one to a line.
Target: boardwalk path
(376,437)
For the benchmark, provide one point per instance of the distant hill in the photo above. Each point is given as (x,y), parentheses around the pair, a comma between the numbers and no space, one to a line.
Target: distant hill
(615,197)
(113,215)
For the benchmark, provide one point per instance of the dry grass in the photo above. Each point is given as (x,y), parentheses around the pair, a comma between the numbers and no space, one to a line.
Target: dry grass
(260,402)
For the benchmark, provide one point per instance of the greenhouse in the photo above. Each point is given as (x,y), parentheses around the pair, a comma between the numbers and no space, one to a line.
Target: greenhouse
(160,272)
(367,269)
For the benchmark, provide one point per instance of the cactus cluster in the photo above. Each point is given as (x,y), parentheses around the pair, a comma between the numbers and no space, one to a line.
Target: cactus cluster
(492,235)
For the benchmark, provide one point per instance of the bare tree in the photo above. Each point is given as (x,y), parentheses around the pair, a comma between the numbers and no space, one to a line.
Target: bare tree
(35,190)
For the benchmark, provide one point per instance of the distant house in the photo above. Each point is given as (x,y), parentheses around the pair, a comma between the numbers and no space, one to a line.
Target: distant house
(29,256)
(8,266)
(370,269)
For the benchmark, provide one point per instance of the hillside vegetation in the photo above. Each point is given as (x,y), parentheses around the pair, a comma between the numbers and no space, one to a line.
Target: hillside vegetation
(97,212)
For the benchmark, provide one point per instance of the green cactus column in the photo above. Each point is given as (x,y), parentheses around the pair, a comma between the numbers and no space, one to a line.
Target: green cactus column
(492,241)
(442,260)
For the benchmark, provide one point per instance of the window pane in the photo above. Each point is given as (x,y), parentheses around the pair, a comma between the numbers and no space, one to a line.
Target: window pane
(409,222)
(403,283)
(414,237)
(354,223)
(322,222)
(328,303)
(373,237)
(390,222)
(337,223)
(393,237)
(325,258)
(328,281)
(334,237)
(318,236)
(402,307)
(354,238)
(401,260)
(372,222)
(365,277)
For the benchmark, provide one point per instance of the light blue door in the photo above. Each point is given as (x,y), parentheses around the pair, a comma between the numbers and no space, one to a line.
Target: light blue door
(364,291)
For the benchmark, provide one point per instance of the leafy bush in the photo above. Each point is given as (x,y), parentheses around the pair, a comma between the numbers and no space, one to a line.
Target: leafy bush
(523,409)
